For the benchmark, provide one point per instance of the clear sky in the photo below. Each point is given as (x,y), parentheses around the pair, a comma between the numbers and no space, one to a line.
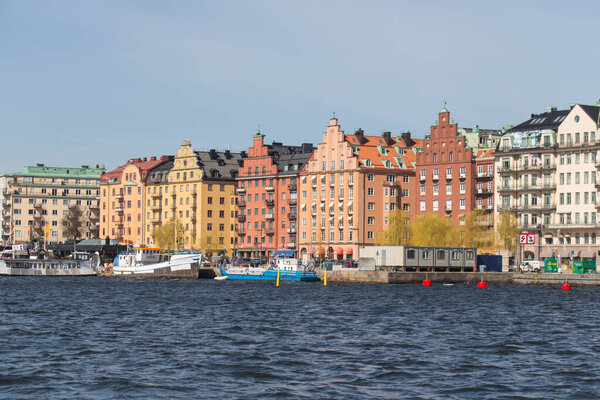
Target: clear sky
(99,82)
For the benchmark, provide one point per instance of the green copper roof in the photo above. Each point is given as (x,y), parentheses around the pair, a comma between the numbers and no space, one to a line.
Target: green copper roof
(59,172)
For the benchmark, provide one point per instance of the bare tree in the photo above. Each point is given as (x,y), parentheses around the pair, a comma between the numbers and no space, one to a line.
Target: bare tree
(73,222)
(39,223)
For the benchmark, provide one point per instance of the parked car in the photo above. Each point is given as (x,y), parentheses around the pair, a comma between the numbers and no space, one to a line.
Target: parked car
(532,266)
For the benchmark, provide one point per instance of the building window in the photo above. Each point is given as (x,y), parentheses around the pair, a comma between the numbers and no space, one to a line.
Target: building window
(370,177)
(370,191)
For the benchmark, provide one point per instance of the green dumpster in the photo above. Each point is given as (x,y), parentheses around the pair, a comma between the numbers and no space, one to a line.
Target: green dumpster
(589,266)
(550,265)
(578,267)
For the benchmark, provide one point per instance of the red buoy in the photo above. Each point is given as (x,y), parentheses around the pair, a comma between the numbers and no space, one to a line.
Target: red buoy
(481,284)
(565,286)
(426,282)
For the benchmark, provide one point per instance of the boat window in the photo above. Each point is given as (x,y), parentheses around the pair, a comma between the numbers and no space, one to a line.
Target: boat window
(411,254)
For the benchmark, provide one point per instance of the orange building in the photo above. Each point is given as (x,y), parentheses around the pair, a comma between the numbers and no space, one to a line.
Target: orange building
(349,189)
(122,198)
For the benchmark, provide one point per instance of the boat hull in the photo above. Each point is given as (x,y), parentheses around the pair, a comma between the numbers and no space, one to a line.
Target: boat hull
(183,267)
(271,275)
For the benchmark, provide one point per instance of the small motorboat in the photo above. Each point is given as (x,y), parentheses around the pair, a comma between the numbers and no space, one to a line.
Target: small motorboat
(220,278)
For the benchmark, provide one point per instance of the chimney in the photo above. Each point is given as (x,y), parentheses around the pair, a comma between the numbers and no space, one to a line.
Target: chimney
(145,159)
(387,138)
(153,158)
(307,148)
(408,142)
(212,153)
(550,109)
(360,136)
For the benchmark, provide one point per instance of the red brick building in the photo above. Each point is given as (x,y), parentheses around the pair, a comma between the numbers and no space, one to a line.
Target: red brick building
(267,197)
(455,170)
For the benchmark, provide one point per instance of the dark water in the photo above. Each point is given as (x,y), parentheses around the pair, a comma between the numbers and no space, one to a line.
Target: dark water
(87,338)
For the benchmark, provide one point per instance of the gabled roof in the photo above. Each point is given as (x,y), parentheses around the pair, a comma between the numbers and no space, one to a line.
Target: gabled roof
(143,164)
(394,154)
(592,111)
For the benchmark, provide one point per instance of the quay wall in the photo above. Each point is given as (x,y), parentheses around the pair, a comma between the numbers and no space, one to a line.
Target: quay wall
(348,275)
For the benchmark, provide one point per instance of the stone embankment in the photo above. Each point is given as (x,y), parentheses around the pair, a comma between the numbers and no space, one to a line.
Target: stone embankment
(353,275)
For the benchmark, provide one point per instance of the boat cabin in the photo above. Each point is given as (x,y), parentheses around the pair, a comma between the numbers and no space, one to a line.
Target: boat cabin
(139,256)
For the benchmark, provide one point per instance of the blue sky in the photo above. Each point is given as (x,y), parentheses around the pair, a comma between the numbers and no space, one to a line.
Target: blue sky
(100,82)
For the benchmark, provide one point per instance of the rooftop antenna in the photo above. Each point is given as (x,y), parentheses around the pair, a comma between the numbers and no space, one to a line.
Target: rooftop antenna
(333,115)
(258,129)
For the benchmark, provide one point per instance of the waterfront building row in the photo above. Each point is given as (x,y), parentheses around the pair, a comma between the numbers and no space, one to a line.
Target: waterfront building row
(332,198)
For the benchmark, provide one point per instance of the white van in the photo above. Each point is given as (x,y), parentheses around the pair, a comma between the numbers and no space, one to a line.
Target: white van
(532,266)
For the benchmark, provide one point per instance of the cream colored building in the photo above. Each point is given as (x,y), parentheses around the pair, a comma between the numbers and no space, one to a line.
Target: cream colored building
(546,175)
(42,194)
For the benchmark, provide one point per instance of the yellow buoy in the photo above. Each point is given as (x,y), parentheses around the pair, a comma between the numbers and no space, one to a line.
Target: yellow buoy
(277,277)
(325,277)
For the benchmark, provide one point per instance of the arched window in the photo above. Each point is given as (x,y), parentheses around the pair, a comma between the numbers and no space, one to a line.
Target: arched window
(434,157)
(451,156)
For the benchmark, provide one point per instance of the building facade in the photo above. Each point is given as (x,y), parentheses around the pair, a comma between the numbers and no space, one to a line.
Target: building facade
(547,174)
(41,195)
(456,171)
(197,193)
(350,187)
(122,199)
(267,187)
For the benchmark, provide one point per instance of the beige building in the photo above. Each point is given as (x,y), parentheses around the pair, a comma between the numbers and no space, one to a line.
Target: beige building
(41,195)
(546,175)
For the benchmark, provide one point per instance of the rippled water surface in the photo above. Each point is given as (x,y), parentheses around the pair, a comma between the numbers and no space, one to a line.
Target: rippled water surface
(79,338)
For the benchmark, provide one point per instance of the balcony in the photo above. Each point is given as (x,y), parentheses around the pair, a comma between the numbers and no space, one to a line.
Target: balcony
(291,230)
(155,222)
(292,202)
(462,175)
(422,178)
(292,187)
(270,202)
(448,207)
(314,212)
(269,189)
(6,204)
(241,233)
(194,205)
(155,195)
(502,188)
(156,207)
(291,216)
(118,196)
(269,216)
(291,245)
(448,176)
(241,217)
(270,232)
(241,203)
(506,169)
(484,175)
(119,210)
(240,190)
(436,177)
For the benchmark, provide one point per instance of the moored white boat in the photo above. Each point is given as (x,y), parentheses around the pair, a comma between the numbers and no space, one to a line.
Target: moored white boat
(149,262)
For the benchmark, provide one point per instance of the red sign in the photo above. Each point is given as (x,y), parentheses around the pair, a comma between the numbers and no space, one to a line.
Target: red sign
(526,238)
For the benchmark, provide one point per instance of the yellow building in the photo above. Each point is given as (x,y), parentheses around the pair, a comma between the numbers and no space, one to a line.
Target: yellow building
(198,192)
